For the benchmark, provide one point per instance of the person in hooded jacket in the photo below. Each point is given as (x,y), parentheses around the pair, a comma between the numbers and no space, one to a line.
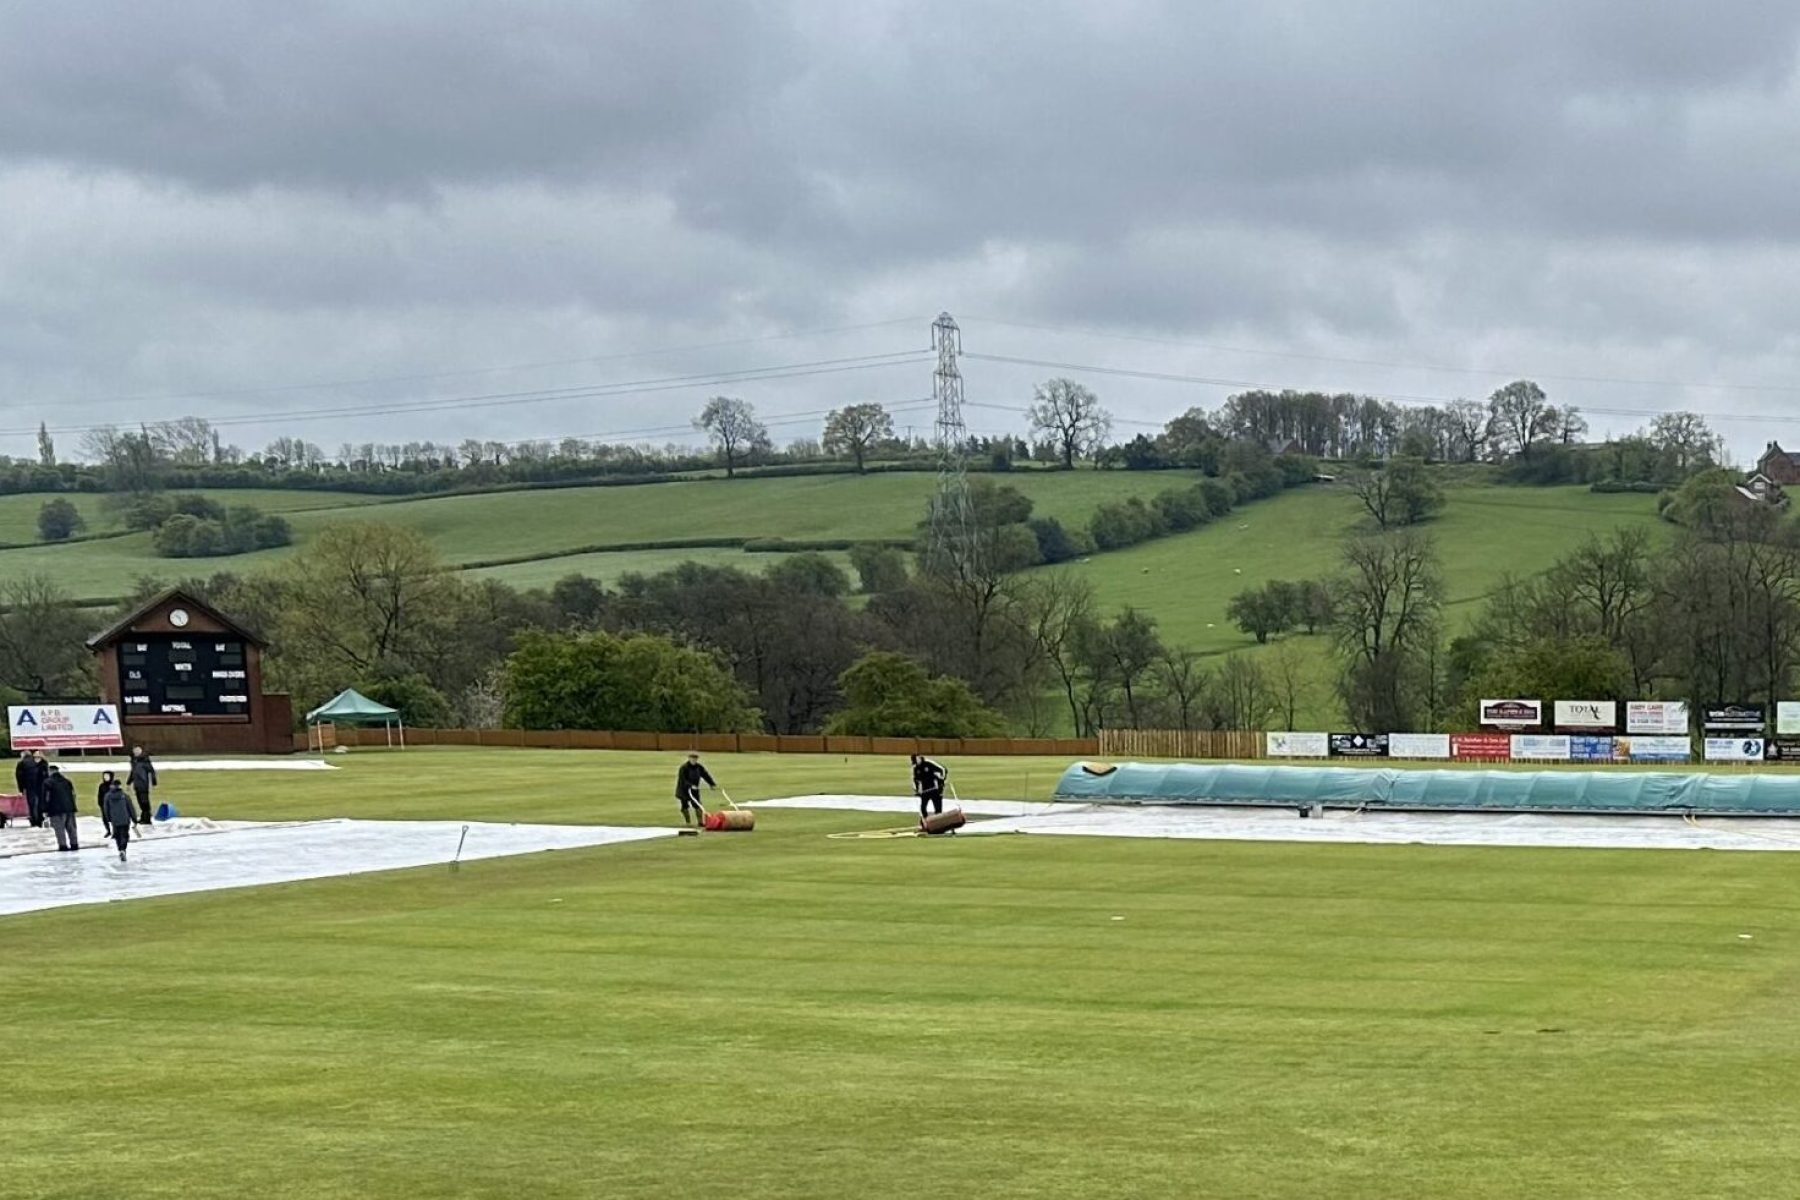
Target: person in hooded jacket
(687,787)
(108,780)
(143,778)
(59,809)
(115,810)
(30,775)
(929,778)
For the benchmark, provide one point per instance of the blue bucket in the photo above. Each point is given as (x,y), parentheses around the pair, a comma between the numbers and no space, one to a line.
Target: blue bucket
(166,811)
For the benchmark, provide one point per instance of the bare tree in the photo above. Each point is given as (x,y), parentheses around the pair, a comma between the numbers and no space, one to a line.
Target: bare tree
(734,429)
(1185,682)
(1290,677)
(1057,608)
(1387,613)
(1686,441)
(1240,696)
(1070,416)
(856,429)
(1470,427)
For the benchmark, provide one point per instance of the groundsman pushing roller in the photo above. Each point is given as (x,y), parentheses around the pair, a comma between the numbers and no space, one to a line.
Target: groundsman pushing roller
(687,788)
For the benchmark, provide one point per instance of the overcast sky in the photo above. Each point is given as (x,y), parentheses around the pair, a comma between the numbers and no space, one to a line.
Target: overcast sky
(243,209)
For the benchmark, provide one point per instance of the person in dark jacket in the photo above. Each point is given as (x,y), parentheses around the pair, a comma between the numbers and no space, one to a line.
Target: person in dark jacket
(115,810)
(687,787)
(59,807)
(30,775)
(929,779)
(108,781)
(143,778)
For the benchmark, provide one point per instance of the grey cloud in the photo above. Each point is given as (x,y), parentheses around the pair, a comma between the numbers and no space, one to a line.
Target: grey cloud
(207,195)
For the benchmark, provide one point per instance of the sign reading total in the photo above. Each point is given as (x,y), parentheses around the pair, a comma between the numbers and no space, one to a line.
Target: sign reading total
(1587,714)
(64,727)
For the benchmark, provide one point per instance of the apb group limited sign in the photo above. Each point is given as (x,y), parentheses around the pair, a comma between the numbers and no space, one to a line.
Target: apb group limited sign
(64,727)
(1512,714)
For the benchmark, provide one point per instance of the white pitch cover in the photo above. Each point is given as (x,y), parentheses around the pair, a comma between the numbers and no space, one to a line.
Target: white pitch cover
(1299,745)
(1418,745)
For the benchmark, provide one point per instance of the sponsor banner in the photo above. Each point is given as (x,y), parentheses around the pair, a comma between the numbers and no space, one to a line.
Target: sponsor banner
(1512,714)
(1589,747)
(1655,748)
(1787,717)
(1782,749)
(1359,745)
(1666,717)
(1540,746)
(1587,714)
(1418,745)
(1734,749)
(64,727)
(1481,747)
(1734,718)
(1299,745)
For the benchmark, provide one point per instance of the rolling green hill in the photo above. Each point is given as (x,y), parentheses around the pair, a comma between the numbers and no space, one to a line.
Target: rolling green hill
(1485,531)
(543,524)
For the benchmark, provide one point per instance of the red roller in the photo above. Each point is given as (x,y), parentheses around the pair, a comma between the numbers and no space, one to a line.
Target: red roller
(730,820)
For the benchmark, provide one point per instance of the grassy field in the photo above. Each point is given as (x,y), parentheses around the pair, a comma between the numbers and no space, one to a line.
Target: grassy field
(1484,532)
(486,527)
(19,513)
(780,1015)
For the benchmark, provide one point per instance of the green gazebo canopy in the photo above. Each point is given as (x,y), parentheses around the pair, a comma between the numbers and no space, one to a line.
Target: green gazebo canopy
(351,707)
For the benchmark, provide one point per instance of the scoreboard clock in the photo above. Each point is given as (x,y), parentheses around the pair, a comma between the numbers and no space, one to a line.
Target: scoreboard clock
(184,674)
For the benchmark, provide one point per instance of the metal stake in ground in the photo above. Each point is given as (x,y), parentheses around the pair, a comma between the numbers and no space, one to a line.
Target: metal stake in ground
(456,863)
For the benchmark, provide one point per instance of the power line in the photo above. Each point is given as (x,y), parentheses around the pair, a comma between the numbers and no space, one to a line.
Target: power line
(1068,331)
(595,391)
(468,371)
(1394,397)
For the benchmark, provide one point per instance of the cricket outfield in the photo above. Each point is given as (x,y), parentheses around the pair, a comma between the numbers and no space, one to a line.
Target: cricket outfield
(785,1014)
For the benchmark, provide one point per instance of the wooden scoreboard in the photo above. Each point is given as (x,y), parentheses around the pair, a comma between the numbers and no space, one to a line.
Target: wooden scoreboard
(187,679)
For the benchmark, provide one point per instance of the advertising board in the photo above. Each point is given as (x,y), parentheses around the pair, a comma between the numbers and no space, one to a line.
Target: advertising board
(1586,714)
(1540,746)
(1359,745)
(1787,718)
(1653,748)
(1737,749)
(1512,714)
(1418,745)
(1299,745)
(1665,717)
(1734,718)
(1481,747)
(1591,747)
(64,727)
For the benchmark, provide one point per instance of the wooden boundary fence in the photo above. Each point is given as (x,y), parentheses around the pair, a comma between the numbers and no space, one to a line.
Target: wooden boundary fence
(1182,743)
(717,743)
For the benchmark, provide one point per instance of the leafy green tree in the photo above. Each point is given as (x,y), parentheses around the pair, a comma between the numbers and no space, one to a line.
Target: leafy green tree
(59,520)
(602,681)
(1262,611)
(811,573)
(890,695)
(734,429)
(856,429)
(1071,417)
(878,568)
(419,704)
(42,634)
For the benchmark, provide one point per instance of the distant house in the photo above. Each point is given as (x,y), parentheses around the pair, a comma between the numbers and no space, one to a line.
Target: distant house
(1761,489)
(1778,466)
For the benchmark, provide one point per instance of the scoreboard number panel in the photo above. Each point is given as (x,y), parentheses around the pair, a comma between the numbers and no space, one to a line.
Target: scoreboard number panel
(184,675)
